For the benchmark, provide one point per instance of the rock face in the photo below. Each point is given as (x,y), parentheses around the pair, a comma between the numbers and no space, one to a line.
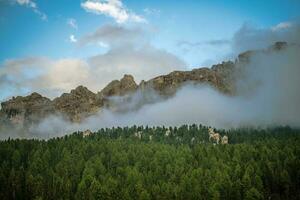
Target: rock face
(219,76)
(119,88)
(77,104)
(22,110)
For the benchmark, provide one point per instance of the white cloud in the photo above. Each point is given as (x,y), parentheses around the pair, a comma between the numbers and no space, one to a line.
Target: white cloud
(281,26)
(112,8)
(31,4)
(64,74)
(43,75)
(73,39)
(72,23)
(28,3)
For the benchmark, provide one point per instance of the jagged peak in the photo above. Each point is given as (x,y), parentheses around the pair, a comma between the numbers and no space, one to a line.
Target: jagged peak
(119,87)
(127,77)
(35,94)
(81,90)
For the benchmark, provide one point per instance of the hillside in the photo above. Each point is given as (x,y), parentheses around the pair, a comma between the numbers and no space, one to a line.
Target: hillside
(153,163)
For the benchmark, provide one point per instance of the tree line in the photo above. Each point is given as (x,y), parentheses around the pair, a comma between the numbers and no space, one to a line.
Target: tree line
(153,163)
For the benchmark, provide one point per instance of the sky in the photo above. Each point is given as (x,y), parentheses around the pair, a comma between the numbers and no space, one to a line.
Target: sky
(53,46)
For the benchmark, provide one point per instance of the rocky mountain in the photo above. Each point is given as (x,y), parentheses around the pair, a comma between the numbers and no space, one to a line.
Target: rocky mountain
(24,110)
(219,76)
(81,102)
(77,104)
(119,88)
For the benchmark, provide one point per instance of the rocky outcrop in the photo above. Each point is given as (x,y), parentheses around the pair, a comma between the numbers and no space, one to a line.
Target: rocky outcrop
(126,85)
(23,110)
(247,55)
(78,104)
(74,106)
(219,76)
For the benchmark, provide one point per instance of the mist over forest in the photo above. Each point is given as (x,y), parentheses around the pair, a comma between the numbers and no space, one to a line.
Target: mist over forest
(121,99)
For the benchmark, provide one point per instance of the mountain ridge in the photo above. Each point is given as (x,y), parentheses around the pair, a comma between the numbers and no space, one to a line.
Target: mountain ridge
(80,102)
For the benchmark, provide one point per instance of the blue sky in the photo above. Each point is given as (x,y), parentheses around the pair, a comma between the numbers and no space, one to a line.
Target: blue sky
(181,29)
(23,33)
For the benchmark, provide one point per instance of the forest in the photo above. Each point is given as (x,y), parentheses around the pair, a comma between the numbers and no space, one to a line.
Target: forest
(154,163)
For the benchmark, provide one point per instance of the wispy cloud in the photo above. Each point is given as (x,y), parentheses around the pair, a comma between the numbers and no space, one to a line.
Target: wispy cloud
(210,42)
(31,4)
(281,26)
(72,23)
(112,8)
(73,39)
